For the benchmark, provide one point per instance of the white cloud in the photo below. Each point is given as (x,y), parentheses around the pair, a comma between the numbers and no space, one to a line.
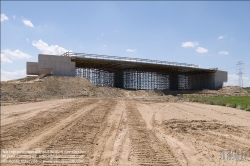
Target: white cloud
(104,46)
(46,49)
(4,59)
(6,75)
(14,16)
(4,17)
(223,52)
(233,80)
(102,34)
(201,50)
(220,37)
(189,44)
(27,40)
(28,23)
(17,54)
(131,50)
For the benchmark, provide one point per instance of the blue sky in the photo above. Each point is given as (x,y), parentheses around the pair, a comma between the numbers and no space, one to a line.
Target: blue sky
(209,34)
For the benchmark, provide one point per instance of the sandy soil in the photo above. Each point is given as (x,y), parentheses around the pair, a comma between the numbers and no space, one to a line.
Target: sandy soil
(125,132)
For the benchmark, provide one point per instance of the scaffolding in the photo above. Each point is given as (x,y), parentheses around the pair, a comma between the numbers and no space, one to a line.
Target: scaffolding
(135,73)
(95,76)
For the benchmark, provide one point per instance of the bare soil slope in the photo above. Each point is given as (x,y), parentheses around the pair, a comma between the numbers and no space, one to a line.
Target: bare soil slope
(54,87)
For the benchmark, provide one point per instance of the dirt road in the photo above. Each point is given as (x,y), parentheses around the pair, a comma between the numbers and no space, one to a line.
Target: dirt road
(124,132)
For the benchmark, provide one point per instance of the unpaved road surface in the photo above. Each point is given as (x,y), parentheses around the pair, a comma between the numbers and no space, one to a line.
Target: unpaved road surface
(125,132)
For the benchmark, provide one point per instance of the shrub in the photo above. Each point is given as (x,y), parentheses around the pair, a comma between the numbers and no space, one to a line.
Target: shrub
(203,100)
(221,103)
(248,108)
(242,107)
(195,100)
(210,102)
(231,105)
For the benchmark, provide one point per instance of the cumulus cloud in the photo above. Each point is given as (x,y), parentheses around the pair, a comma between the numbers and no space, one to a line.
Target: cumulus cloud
(131,50)
(201,50)
(7,56)
(7,75)
(46,49)
(220,37)
(27,40)
(4,17)
(233,80)
(223,52)
(17,54)
(189,44)
(28,23)
(4,59)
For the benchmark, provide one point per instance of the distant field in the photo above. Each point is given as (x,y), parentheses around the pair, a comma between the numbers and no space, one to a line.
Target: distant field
(240,102)
(247,89)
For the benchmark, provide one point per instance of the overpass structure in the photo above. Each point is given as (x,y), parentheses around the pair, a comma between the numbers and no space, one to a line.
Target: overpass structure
(128,73)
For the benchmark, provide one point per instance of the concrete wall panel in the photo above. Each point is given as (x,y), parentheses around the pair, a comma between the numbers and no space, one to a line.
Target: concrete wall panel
(219,78)
(40,64)
(66,59)
(60,65)
(46,64)
(43,57)
(32,68)
(45,71)
(55,58)
(208,81)
(53,64)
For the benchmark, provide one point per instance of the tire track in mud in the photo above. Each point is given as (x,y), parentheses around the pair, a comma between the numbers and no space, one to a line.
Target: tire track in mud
(155,126)
(104,151)
(32,142)
(215,130)
(83,134)
(206,138)
(195,136)
(147,149)
(8,116)
(122,145)
(12,135)
(200,133)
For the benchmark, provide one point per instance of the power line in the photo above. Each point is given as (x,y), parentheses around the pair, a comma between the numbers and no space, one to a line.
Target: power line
(229,68)
(240,72)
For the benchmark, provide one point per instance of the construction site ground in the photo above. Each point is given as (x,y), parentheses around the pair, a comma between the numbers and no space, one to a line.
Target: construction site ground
(127,129)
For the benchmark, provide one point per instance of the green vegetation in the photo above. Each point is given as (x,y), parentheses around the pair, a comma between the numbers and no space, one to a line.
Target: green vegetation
(240,102)
(247,89)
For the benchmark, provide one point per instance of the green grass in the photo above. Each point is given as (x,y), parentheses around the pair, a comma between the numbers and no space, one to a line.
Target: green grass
(240,102)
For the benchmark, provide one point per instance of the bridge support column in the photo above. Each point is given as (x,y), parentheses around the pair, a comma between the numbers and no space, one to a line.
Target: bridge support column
(118,79)
(174,81)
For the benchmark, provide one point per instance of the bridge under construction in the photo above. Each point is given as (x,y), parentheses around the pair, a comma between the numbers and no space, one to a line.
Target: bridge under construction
(128,73)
